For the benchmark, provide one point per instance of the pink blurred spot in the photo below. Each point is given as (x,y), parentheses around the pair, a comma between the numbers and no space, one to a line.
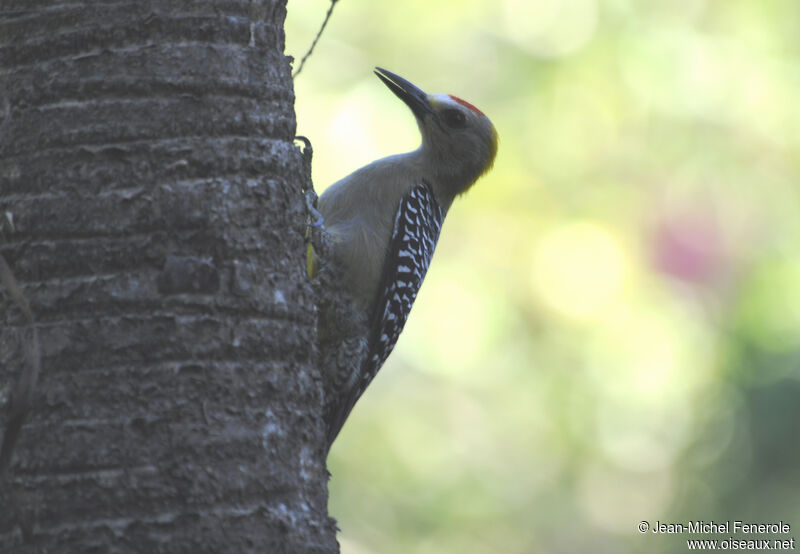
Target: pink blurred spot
(689,246)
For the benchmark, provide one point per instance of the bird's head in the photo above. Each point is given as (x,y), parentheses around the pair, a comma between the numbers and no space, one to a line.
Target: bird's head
(458,140)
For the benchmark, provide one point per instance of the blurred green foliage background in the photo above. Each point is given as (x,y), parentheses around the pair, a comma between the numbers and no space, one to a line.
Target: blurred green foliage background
(610,330)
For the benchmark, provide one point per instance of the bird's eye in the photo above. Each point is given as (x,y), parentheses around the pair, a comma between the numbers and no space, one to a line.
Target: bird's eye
(454,118)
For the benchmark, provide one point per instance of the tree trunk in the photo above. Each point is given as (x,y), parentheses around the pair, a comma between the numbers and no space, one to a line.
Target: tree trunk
(147,164)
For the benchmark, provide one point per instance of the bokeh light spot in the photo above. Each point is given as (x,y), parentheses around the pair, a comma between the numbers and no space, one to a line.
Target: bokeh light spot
(579,270)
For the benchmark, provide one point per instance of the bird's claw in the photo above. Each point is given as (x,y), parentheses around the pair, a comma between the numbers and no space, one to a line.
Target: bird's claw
(311,206)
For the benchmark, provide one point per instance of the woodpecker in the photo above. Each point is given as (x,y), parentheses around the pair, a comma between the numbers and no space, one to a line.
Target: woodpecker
(383,222)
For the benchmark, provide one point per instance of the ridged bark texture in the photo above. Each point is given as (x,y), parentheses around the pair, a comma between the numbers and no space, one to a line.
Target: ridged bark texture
(147,165)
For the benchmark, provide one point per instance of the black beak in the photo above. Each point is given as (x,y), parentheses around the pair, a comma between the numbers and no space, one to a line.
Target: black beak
(414,98)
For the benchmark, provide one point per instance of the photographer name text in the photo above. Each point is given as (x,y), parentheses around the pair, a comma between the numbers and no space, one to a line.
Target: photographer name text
(727,527)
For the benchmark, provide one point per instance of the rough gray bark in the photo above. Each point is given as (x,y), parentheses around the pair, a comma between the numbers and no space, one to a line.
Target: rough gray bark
(146,156)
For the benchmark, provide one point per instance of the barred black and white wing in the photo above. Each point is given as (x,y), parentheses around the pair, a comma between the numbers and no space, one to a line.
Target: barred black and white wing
(416,229)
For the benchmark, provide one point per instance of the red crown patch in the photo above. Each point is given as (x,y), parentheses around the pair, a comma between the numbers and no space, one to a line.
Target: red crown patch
(467,104)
